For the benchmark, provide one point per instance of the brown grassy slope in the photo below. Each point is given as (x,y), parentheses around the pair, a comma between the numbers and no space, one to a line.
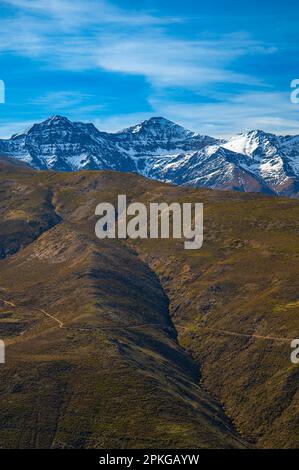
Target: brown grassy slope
(243,280)
(113,375)
(26,211)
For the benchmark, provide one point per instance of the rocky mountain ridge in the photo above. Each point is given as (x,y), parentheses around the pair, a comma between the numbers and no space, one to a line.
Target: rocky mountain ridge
(160,149)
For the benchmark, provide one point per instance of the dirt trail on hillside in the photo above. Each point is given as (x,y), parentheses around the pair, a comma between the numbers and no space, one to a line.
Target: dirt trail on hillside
(243,335)
(213,330)
(11,304)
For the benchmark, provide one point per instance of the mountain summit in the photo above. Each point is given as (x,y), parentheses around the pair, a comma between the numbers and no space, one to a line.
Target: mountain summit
(160,149)
(158,128)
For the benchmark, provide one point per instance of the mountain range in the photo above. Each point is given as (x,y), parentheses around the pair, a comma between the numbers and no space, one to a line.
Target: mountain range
(157,148)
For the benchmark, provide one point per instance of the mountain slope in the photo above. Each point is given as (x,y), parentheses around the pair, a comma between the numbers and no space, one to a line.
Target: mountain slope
(273,159)
(235,306)
(213,167)
(60,144)
(114,374)
(92,359)
(160,149)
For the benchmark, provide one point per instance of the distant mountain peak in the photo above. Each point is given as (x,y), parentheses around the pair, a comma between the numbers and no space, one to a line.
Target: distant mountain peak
(160,121)
(53,123)
(56,120)
(260,134)
(158,128)
(257,132)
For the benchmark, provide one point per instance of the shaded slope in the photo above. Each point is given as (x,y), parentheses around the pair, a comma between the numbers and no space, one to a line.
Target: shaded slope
(26,209)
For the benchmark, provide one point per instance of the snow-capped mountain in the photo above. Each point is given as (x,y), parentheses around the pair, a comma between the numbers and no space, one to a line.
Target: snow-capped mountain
(60,144)
(273,159)
(160,149)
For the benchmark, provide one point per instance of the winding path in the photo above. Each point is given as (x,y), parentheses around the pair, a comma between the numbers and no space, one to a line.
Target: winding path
(213,330)
(243,335)
(11,304)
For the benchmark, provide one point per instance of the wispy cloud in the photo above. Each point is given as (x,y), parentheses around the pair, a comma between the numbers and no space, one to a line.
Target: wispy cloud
(235,114)
(83,35)
(62,99)
(272,112)
(86,34)
(10,128)
(167,62)
(79,13)
(67,101)
(70,34)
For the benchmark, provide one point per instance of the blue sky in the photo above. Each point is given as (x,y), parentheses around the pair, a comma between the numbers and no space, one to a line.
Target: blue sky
(215,66)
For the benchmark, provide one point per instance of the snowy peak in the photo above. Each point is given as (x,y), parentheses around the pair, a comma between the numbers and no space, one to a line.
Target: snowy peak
(255,143)
(57,121)
(272,159)
(60,126)
(157,128)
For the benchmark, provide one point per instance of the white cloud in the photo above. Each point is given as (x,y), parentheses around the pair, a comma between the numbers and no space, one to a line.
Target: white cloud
(78,13)
(272,112)
(167,62)
(86,34)
(90,34)
(10,128)
(222,119)
(61,99)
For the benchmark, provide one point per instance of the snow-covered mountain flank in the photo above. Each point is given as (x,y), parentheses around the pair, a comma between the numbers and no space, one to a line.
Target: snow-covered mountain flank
(160,149)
